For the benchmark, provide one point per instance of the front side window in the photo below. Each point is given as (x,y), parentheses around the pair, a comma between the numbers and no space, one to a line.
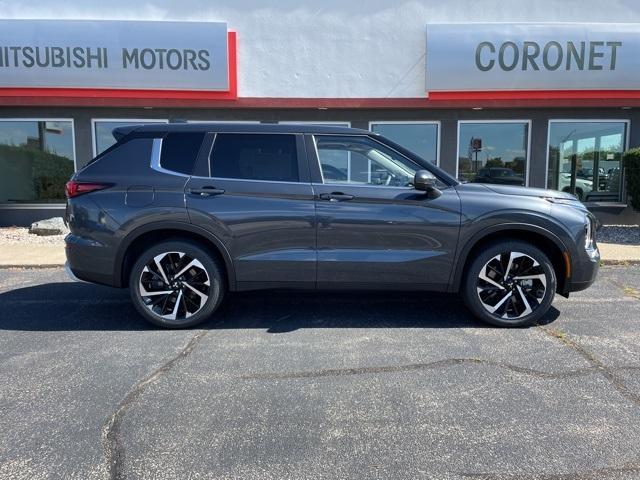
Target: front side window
(418,137)
(362,160)
(497,148)
(271,157)
(36,160)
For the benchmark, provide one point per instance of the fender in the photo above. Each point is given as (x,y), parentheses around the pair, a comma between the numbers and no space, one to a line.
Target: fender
(136,233)
(461,259)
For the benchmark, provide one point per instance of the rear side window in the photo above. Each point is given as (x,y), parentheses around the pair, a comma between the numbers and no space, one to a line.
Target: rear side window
(180,151)
(255,157)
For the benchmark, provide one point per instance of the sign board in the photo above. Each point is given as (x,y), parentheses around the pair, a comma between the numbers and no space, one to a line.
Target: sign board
(114,55)
(532,56)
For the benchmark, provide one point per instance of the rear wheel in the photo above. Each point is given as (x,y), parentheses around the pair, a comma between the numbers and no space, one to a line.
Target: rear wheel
(176,284)
(510,283)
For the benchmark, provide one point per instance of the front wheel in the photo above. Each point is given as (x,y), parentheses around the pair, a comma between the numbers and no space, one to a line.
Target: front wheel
(176,284)
(509,283)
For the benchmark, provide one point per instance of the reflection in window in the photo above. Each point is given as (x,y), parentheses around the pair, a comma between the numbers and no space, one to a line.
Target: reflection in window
(419,137)
(361,160)
(36,160)
(493,152)
(103,131)
(584,158)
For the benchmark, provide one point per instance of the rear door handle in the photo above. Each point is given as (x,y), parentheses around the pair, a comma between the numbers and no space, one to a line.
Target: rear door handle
(336,196)
(206,191)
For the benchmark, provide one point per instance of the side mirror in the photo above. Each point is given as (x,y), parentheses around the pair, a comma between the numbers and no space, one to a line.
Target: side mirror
(426,182)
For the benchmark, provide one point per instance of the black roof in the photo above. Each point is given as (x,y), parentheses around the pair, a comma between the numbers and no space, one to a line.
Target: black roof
(236,128)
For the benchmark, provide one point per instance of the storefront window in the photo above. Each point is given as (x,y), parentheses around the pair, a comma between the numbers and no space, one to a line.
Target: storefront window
(419,137)
(493,152)
(36,160)
(584,158)
(103,128)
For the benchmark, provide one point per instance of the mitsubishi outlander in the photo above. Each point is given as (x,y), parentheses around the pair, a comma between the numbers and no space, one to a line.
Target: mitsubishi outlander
(181,214)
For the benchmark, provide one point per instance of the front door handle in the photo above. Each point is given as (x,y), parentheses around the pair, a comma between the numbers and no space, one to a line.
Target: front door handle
(206,191)
(336,196)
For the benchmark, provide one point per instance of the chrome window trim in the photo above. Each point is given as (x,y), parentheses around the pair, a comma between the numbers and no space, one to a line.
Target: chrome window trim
(156,152)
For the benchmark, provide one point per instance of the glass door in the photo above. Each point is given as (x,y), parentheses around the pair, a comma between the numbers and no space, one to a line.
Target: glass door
(585,158)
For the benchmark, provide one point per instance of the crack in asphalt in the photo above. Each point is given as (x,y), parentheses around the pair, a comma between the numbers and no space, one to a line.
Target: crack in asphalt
(607,372)
(111,442)
(338,372)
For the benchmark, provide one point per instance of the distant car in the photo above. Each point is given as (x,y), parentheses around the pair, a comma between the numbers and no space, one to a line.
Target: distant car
(182,214)
(499,176)
(583,187)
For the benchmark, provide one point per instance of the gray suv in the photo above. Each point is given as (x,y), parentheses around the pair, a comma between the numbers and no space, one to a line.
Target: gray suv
(184,213)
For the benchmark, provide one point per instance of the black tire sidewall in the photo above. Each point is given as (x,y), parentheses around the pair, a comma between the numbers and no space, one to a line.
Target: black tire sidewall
(470,295)
(218,287)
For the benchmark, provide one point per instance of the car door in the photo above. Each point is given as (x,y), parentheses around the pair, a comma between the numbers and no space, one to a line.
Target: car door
(374,229)
(257,199)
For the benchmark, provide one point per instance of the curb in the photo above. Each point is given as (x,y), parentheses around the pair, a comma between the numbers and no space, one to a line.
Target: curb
(620,262)
(38,266)
(33,267)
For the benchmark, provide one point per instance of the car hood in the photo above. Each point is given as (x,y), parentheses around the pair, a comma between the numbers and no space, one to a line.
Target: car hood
(528,192)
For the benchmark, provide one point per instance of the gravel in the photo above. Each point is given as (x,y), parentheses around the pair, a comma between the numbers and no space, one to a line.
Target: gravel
(624,234)
(18,235)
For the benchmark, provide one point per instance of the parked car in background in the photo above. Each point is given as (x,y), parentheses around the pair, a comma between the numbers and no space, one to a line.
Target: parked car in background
(182,214)
(583,186)
(499,176)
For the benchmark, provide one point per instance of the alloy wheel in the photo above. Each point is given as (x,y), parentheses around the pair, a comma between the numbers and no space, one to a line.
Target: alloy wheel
(511,285)
(174,285)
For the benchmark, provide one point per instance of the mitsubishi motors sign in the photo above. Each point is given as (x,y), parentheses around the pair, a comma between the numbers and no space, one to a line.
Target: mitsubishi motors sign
(485,57)
(141,55)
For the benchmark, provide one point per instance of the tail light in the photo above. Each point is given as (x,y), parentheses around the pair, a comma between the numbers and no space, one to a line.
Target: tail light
(74,188)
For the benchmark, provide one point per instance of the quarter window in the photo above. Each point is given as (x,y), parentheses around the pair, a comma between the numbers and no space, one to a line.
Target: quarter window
(180,151)
(36,160)
(255,157)
(362,160)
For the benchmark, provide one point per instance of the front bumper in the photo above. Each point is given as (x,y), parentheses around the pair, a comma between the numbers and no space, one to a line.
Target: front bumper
(584,270)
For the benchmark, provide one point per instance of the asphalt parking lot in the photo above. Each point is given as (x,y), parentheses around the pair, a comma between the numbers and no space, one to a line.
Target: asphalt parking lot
(297,386)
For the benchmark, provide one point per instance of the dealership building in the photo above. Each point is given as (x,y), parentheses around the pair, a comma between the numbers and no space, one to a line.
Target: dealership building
(542,94)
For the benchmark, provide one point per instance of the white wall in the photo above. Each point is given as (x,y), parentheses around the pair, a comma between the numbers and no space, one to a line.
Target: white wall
(331,48)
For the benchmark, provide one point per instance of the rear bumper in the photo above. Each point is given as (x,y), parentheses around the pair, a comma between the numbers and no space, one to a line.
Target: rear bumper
(89,260)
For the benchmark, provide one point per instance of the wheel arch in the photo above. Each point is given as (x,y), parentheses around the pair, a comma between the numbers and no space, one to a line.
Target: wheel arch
(145,236)
(540,237)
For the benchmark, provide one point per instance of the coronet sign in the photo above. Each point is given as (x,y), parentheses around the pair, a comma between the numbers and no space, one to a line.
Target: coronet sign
(532,56)
(114,55)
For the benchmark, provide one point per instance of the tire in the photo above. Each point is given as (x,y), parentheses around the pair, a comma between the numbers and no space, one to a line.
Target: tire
(527,299)
(195,294)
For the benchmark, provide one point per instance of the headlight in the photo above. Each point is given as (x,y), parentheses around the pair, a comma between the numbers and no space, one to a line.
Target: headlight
(590,234)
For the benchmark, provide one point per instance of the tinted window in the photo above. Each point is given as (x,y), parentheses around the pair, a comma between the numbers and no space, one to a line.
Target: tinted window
(255,157)
(180,150)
